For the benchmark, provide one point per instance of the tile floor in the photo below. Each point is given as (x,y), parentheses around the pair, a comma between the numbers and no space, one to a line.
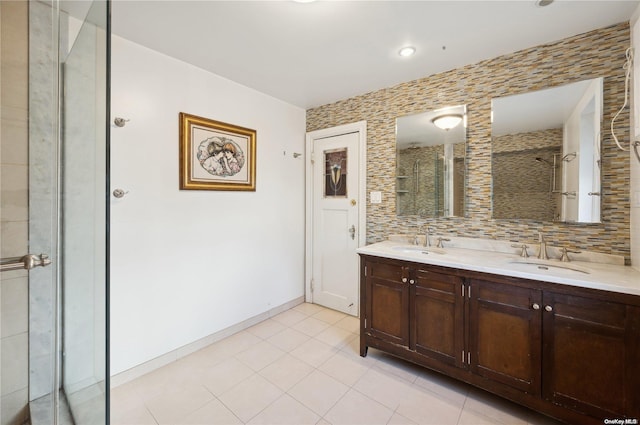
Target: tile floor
(303,367)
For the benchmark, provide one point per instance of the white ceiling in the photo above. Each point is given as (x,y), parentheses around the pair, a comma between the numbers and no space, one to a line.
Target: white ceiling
(418,129)
(310,54)
(537,110)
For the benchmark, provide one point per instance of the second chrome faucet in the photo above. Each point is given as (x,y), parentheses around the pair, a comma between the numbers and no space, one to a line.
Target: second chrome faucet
(542,252)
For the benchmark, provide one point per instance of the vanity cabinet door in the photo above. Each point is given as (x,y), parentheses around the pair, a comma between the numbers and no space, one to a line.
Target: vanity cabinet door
(590,355)
(505,334)
(436,318)
(387,301)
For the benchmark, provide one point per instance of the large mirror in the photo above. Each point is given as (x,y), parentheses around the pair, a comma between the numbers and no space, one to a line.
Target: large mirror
(430,162)
(546,154)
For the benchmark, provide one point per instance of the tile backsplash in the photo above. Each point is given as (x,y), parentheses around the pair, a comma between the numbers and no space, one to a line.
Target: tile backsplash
(598,53)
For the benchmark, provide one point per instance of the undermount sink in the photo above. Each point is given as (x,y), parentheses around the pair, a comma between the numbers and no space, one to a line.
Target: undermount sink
(541,265)
(414,249)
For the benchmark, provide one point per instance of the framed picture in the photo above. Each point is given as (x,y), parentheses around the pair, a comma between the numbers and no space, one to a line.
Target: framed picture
(216,155)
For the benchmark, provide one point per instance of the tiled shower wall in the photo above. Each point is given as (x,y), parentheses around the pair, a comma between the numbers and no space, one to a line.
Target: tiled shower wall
(14,372)
(599,53)
(423,191)
(522,186)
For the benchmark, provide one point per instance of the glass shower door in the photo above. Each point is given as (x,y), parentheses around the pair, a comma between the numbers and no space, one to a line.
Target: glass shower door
(84,218)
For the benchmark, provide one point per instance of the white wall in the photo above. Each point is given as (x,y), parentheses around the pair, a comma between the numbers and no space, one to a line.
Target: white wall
(186,264)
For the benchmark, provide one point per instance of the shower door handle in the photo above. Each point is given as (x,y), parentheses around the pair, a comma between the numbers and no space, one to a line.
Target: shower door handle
(26,262)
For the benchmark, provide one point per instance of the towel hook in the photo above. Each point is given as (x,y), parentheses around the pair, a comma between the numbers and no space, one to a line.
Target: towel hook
(120,122)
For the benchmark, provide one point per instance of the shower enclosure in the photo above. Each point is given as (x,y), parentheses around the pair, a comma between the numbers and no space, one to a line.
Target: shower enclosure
(54,310)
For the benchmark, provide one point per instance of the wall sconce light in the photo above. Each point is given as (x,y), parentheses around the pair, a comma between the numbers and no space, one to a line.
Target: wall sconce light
(447,122)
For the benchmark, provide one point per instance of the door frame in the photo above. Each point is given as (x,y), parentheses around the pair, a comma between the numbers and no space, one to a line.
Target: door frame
(359,127)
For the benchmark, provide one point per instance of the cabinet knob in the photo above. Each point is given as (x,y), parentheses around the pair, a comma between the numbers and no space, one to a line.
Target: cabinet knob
(536,306)
(404,280)
(548,308)
(412,281)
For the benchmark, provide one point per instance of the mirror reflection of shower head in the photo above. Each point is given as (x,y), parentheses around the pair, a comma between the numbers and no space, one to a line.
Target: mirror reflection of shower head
(538,159)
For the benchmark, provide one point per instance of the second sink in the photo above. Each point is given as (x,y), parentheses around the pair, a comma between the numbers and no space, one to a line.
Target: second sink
(546,266)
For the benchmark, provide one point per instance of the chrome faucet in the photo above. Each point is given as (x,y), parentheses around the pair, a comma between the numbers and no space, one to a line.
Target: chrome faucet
(427,241)
(542,253)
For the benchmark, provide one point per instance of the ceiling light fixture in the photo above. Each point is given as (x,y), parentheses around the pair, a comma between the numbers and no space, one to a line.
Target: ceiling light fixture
(407,51)
(447,122)
(543,3)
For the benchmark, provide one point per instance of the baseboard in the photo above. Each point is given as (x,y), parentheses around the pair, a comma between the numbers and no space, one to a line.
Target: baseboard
(178,353)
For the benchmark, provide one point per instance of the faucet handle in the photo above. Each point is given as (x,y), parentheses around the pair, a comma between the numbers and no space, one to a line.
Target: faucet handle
(440,240)
(565,254)
(523,253)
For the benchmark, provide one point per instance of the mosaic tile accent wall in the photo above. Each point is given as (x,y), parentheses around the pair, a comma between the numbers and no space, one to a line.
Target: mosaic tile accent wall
(522,141)
(598,53)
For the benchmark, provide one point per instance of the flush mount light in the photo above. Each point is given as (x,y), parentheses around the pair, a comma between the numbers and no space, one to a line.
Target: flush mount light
(543,3)
(407,51)
(447,122)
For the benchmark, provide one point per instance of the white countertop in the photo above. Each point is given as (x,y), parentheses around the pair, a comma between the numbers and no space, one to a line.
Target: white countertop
(609,277)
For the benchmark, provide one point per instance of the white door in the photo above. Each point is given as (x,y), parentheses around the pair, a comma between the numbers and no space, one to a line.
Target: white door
(335,227)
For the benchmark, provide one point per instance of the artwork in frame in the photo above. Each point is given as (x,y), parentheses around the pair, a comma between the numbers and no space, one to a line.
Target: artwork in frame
(215,155)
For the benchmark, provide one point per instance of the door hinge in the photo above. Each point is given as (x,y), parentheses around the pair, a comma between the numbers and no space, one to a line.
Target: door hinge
(462,356)
(365,270)
(312,285)
(468,357)
(313,157)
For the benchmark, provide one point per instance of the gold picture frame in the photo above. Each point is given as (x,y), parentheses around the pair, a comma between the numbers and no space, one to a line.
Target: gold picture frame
(215,155)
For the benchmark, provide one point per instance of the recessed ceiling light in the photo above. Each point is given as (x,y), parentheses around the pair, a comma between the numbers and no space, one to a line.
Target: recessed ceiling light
(543,3)
(407,51)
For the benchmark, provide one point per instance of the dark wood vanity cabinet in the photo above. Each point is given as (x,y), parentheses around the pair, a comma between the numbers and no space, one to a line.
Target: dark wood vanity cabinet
(387,306)
(414,308)
(436,316)
(572,353)
(505,334)
(591,355)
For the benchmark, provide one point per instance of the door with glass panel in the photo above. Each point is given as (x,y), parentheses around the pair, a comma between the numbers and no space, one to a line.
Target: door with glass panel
(335,221)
